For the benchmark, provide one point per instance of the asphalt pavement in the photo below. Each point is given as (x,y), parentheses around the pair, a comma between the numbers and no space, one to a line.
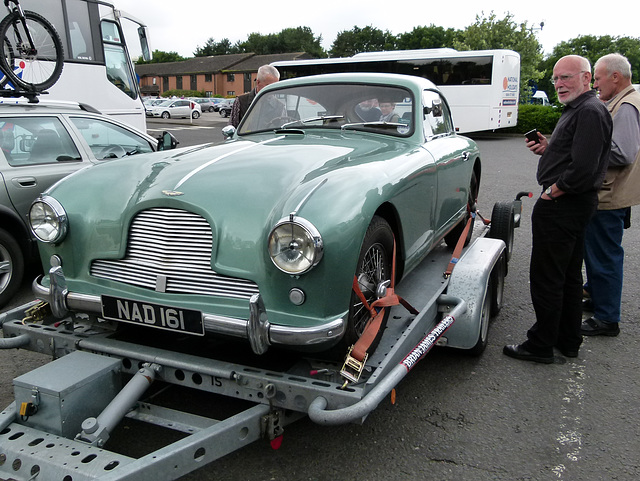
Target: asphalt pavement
(464,418)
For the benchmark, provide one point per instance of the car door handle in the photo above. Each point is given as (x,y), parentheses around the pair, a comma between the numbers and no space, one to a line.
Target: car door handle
(25,181)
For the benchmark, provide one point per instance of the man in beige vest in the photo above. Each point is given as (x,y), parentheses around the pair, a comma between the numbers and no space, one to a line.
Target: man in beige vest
(604,254)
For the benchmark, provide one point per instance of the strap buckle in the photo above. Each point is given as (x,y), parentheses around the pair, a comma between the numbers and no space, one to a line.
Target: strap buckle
(352,368)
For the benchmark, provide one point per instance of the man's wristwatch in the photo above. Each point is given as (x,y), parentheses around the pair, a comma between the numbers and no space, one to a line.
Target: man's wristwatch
(548,192)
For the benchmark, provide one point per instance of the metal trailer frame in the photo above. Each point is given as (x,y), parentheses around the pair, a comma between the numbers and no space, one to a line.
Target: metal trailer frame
(33,444)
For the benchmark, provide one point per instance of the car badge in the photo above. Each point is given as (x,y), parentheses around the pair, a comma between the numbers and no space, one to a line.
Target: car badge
(172,193)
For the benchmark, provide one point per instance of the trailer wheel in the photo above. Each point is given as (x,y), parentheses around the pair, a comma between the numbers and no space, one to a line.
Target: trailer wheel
(485,316)
(497,285)
(451,239)
(502,225)
(374,268)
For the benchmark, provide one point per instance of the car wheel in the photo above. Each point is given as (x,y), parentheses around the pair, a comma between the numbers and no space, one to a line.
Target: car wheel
(210,109)
(11,267)
(373,269)
(166,115)
(225,113)
(195,114)
(502,225)
(451,239)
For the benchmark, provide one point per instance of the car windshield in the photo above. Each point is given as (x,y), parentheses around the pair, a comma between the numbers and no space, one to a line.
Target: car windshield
(373,107)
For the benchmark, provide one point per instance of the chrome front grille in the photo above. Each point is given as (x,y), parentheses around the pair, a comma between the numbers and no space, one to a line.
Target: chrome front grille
(169,250)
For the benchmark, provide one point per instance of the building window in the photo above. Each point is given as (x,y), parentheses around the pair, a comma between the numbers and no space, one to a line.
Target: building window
(179,82)
(165,84)
(231,93)
(208,77)
(194,82)
(231,77)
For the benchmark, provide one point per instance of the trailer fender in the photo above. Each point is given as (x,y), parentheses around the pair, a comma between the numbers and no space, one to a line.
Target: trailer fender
(470,281)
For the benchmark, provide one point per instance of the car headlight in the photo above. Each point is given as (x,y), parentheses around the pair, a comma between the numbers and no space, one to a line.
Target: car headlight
(295,246)
(48,220)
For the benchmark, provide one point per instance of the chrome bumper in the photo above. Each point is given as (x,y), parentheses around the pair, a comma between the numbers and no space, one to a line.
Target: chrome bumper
(257,329)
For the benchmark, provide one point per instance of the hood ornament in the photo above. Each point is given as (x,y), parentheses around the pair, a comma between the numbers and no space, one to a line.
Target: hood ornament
(172,193)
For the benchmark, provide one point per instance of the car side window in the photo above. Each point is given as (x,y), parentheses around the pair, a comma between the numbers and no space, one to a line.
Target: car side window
(36,140)
(107,140)
(436,115)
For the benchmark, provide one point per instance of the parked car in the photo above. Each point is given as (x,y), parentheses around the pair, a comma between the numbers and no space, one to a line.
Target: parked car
(178,108)
(218,101)
(205,103)
(224,107)
(42,143)
(261,237)
(149,104)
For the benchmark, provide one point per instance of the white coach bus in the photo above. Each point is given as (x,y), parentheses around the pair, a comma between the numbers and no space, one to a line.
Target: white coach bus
(98,70)
(481,86)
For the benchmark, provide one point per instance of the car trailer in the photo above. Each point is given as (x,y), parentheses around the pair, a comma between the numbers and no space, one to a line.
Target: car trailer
(66,412)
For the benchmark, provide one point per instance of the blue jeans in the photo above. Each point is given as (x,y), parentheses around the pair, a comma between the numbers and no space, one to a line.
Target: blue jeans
(555,271)
(604,259)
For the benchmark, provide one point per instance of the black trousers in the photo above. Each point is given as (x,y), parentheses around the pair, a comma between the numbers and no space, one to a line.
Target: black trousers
(555,272)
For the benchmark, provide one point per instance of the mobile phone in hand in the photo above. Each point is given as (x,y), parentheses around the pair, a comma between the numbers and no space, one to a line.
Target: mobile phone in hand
(532,136)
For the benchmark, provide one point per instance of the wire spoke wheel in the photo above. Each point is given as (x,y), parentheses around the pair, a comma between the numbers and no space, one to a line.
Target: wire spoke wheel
(35,67)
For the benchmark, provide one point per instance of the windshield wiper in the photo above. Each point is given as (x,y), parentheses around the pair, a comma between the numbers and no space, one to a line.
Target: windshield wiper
(312,119)
(377,124)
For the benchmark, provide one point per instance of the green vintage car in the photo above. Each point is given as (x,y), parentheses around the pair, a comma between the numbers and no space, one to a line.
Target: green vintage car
(260,238)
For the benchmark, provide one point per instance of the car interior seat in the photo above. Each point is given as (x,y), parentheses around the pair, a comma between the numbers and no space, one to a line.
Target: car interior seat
(47,147)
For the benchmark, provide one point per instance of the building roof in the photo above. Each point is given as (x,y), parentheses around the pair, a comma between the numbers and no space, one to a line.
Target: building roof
(243,62)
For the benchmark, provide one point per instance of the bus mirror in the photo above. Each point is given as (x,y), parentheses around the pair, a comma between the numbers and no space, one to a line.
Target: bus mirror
(144,43)
(167,141)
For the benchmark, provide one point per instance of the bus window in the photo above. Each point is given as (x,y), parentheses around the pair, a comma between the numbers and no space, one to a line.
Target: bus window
(80,31)
(115,58)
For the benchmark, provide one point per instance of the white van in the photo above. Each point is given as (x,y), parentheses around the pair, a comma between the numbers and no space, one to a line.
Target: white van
(540,98)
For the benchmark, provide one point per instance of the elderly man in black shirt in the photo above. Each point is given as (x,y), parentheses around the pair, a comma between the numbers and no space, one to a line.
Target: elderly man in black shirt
(570,171)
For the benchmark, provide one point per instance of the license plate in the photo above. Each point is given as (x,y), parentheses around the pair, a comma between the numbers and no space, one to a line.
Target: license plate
(153,315)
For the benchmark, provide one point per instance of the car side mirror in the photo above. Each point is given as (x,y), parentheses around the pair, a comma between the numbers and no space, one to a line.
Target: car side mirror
(167,141)
(435,109)
(228,131)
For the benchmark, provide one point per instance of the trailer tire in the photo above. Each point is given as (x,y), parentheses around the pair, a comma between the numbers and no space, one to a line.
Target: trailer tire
(502,225)
(485,317)
(497,285)
(374,267)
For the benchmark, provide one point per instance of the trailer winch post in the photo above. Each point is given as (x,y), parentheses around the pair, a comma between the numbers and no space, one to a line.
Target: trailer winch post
(317,409)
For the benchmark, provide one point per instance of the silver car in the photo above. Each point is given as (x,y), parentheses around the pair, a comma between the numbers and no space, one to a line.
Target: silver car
(40,144)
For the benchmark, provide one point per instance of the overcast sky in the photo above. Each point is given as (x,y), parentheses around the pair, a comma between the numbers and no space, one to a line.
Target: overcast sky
(182,26)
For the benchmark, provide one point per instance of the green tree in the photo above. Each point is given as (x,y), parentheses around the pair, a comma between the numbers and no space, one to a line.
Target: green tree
(357,40)
(161,57)
(300,39)
(494,33)
(211,47)
(592,48)
(427,37)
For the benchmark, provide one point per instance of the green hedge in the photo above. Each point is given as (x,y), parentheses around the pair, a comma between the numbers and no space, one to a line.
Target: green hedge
(541,117)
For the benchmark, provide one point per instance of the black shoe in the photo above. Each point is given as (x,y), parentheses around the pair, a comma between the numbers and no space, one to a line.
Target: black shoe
(587,304)
(518,352)
(594,327)
(568,351)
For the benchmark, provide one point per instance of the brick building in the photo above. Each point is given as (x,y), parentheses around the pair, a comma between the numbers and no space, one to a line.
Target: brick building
(220,75)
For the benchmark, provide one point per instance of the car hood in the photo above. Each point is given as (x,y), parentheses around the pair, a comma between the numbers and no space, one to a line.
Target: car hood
(242,188)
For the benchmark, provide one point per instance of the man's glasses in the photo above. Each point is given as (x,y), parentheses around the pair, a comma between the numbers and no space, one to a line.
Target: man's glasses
(564,78)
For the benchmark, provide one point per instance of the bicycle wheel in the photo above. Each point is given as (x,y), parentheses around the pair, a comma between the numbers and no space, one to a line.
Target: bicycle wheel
(34,69)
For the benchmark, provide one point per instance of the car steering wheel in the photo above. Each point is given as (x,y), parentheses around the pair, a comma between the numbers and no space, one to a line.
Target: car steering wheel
(112,151)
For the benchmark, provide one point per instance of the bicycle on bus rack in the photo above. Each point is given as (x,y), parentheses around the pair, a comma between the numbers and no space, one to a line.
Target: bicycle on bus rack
(32,56)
